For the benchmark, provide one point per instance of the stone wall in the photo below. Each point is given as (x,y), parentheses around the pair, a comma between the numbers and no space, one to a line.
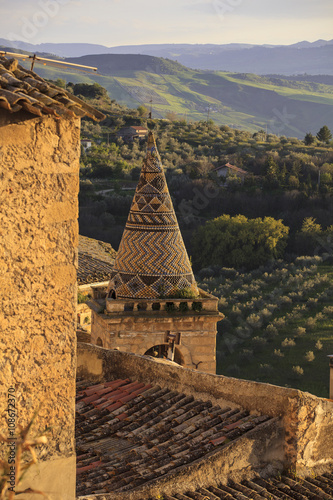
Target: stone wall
(307,421)
(38,263)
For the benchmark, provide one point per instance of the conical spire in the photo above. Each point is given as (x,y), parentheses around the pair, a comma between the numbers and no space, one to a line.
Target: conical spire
(152,261)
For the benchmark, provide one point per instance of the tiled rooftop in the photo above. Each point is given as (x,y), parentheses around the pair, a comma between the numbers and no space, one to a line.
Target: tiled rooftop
(21,89)
(129,433)
(285,487)
(96,259)
(231,167)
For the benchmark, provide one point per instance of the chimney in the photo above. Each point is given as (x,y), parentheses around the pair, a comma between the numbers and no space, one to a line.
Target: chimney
(331,376)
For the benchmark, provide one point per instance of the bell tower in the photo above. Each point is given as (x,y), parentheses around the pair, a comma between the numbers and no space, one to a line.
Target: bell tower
(153,305)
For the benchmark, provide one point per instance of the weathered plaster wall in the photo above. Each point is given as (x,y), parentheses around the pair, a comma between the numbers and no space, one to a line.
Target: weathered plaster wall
(307,420)
(137,334)
(38,264)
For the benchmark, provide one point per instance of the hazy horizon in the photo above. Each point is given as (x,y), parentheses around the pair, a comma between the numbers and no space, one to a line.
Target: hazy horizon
(115,22)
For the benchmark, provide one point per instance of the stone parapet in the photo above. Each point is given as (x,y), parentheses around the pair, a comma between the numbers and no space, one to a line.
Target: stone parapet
(205,303)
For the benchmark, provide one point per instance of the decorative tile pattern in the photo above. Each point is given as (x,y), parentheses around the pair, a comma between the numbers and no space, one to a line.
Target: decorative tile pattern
(152,250)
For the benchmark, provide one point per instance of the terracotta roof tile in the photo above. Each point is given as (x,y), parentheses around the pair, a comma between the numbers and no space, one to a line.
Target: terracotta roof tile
(96,259)
(162,431)
(24,89)
(232,167)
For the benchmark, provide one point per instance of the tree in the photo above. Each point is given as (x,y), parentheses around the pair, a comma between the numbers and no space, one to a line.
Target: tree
(272,173)
(310,226)
(171,115)
(238,241)
(60,82)
(94,91)
(324,134)
(306,241)
(142,110)
(309,139)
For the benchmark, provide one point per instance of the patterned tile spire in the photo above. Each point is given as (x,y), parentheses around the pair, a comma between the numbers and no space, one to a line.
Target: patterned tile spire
(152,261)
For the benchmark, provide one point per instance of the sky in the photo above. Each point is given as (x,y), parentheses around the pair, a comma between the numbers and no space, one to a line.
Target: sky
(135,22)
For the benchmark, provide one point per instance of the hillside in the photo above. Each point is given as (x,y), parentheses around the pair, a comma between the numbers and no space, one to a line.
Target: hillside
(278,322)
(239,100)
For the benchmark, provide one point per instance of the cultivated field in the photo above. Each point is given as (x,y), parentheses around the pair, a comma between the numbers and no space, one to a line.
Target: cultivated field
(278,325)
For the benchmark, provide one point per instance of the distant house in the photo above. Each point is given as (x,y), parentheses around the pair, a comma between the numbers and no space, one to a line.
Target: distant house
(131,133)
(229,170)
(86,144)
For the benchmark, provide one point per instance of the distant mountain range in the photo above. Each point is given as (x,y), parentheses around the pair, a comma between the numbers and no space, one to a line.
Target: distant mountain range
(284,105)
(312,58)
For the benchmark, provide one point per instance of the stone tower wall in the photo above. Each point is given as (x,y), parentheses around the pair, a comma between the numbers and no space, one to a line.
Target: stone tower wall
(137,332)
(38,264)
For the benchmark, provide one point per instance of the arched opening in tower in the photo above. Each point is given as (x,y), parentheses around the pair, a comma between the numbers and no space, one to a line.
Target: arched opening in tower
(161,351)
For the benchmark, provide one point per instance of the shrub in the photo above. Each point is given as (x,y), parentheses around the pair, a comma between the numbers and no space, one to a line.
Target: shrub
(271,332)
(288,343)
(272,307)
(278,352)
(309,356)
(184,293)
(312,302)
(310,323)
(298,370)
(265,313)
(300,331)
(223,303)
(81,298)
(254,320)
(319,345)
(280,322)
(235,312)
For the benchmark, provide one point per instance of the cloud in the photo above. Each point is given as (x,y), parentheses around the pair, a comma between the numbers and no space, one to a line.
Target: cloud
(263,9)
